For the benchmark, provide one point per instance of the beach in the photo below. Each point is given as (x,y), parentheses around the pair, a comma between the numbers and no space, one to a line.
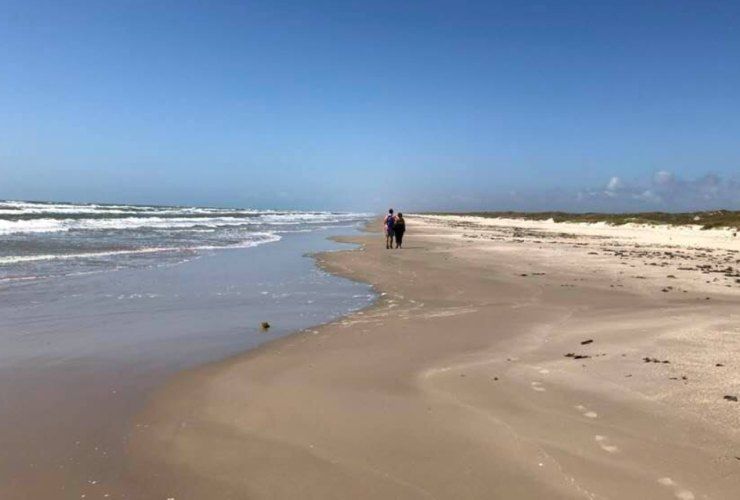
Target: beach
(200,295)
(502,359)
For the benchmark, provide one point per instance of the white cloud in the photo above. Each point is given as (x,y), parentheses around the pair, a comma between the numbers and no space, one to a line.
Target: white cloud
(657,191)
(663,178)
(664,191)
(614,184)
(649,196)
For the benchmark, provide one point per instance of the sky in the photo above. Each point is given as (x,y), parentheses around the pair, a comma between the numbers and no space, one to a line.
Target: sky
(433,105)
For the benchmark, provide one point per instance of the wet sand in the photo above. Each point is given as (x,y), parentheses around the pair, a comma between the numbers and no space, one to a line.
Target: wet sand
(79,355)
(498,363)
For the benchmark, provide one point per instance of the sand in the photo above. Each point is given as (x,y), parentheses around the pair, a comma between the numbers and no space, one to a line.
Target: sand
(473,377)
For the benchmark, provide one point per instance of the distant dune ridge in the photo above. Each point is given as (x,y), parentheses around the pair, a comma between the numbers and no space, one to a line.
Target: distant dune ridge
(706,219)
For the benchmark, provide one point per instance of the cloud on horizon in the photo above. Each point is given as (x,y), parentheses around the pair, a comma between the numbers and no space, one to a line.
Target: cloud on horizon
(664,191)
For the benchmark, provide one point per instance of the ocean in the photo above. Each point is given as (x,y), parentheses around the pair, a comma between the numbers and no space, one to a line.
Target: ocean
(102,304)
(43,239)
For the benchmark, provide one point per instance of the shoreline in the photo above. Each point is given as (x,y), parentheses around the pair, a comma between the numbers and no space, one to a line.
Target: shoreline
(82,355)
(387,401)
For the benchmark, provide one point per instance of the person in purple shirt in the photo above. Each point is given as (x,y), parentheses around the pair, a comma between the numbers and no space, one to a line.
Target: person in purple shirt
(388,224)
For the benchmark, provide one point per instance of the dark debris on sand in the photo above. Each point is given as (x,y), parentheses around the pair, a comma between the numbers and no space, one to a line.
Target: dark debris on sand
(648,359)
(577,356)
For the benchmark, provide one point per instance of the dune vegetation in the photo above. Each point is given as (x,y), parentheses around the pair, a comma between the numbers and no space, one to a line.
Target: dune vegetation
(708,220)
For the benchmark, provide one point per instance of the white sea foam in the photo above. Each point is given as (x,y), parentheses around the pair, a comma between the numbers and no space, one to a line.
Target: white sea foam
(91,236)
(55,225)
(16,208)
(262,239)
(64,225)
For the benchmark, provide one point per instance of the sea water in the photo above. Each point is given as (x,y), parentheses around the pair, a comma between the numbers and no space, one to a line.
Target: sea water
(101,304)
(159,284)
(39,240)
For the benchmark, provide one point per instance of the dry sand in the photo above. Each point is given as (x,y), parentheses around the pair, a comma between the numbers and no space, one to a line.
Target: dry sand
(456,384)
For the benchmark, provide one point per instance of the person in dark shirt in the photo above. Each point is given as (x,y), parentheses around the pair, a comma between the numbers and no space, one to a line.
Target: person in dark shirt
(398,229)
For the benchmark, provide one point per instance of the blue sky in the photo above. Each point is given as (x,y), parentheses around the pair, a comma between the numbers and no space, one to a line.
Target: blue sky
(573,105)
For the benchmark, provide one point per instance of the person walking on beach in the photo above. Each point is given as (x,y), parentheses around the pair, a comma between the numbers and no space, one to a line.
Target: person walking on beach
(388,224)
(398,229)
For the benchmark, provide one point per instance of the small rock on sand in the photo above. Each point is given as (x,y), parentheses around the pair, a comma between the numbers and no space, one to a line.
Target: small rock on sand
(731,398)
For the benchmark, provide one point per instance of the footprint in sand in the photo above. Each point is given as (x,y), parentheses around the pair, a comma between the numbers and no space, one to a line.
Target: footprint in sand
(680,493)
(537,386)
(586,412)
(604,445)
